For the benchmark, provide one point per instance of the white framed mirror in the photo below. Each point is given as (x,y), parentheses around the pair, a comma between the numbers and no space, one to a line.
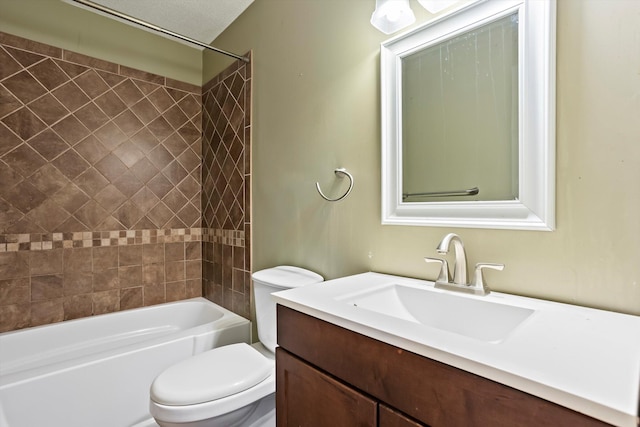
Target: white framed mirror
(468,119)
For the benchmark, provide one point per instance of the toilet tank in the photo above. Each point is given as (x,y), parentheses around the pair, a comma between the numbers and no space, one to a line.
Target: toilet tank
(275,279)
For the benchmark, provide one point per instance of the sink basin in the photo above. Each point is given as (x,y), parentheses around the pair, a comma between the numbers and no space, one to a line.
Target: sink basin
(469,316)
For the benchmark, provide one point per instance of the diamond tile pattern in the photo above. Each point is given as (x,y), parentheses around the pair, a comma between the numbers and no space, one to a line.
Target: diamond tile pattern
(92,154)
(223,150)
(85,148)
(226,182)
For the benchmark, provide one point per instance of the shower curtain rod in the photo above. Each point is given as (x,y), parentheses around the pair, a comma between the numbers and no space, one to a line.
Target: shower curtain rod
(153,27)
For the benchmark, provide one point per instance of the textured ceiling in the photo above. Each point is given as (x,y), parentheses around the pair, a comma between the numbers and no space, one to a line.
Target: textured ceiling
(202,20)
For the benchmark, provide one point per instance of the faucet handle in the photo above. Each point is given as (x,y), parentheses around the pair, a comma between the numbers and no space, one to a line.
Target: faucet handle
(443,276)
(478,279)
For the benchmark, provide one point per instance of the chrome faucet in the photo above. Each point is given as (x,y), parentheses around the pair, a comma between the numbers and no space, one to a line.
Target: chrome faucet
(460,280)
(460,267)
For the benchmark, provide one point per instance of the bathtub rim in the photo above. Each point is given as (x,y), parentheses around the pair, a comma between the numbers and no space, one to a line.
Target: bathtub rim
(120,312)
(15,372)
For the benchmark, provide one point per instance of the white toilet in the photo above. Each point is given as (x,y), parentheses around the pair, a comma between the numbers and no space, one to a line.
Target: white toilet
(232,385)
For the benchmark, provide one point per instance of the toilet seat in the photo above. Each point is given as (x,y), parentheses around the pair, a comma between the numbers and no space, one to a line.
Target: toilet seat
(212,383)
(211,375)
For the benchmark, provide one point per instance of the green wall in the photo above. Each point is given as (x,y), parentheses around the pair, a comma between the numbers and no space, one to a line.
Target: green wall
(316,107)
(63,25)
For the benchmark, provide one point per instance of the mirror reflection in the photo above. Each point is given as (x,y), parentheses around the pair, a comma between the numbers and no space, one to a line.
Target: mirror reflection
(460,116)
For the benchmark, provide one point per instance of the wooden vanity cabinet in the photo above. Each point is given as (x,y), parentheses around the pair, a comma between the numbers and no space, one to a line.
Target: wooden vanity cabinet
(309,397)
(330,376)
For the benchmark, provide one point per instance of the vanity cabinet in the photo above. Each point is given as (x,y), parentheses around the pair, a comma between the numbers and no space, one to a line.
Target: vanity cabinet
(331,376)
(309,397)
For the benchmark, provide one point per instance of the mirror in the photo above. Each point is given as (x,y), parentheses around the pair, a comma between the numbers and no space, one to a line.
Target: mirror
(468,113)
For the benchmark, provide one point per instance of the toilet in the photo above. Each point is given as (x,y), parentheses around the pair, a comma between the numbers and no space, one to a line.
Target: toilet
(233,385)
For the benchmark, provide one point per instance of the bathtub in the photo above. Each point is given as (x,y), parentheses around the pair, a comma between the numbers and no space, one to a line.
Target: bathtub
(97,371)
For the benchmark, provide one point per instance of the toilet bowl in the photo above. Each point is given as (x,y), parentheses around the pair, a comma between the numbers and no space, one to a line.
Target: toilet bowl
(233,385)
(226,385)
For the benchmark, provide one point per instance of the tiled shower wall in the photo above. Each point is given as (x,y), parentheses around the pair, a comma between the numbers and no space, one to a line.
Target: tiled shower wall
(226,183)
(100,186)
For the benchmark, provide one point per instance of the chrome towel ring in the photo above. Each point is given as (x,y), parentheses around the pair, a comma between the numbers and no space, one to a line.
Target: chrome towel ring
(340,172)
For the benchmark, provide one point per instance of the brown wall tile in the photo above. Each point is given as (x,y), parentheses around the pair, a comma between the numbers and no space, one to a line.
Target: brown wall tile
(89,61)
(154,294)
(106,302)
(174,252)
(153,274)
(78,260)
(103,111)
(77,282)
(153,253)
(227,262)
(238,280)
(46,287)
(176,291)
(130,255)
(94,280)
(45,262)
(24,87)
(77,306)
(15,291)
(105,258)
(105,147)
(30,45)
(104,280)
(131,298)
(14,265)
(141,75)
(193,250)
(50,311)
(130,276)
(176,84)
(174,271)
(193,288)
(15,316)
(193,269)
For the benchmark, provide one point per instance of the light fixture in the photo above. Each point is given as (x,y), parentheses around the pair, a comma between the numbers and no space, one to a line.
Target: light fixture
(435,6)
(392,15)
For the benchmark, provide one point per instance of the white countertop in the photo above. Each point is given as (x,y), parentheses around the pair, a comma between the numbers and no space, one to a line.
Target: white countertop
(585,359)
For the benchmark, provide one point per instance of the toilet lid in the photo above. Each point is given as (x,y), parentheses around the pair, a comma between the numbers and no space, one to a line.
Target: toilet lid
(286,276)
(211,375)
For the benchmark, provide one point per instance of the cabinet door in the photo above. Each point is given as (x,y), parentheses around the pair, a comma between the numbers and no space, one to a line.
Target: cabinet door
(307,397)
(389,417)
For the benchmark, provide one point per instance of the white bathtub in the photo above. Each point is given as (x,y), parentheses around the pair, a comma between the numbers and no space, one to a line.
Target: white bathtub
(96,371)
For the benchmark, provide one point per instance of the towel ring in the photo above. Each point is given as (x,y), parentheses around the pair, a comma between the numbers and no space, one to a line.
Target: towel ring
(340,172)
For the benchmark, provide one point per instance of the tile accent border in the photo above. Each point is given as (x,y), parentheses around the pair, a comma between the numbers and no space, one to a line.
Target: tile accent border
(226,237)
(93,239)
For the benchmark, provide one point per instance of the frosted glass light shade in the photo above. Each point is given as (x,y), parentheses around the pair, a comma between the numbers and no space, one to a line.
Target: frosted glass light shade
(392,15)
(435,6)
